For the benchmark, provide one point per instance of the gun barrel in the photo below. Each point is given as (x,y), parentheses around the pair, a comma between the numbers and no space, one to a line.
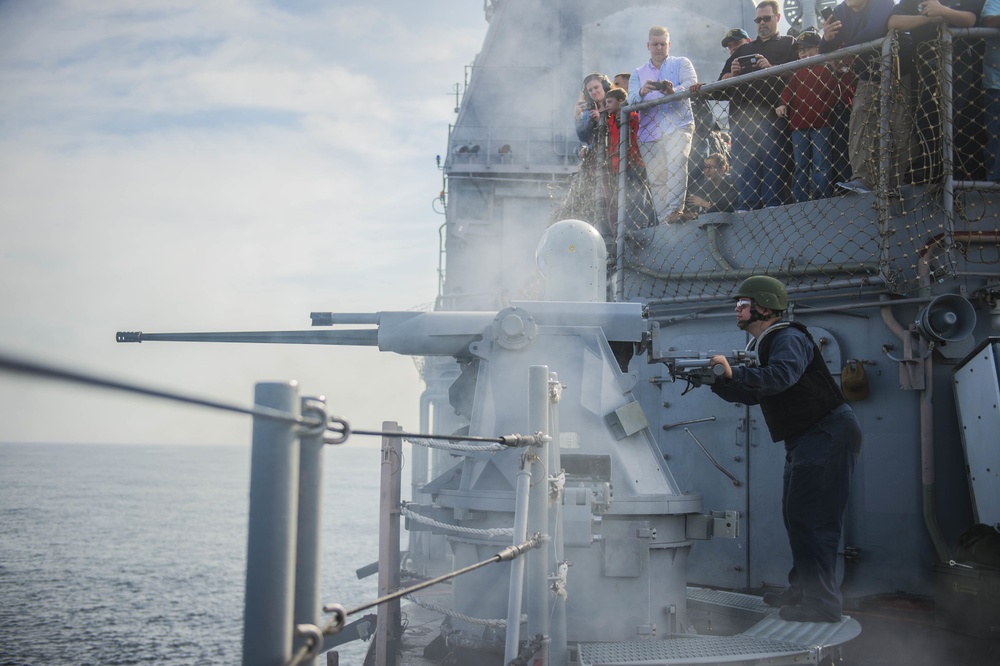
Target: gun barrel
(692,363)
(350,318)
(440,333)
(358,337)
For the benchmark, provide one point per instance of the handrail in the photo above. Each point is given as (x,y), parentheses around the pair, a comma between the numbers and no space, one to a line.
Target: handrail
(707,89)
(21,366)
(334,424)
(272,551)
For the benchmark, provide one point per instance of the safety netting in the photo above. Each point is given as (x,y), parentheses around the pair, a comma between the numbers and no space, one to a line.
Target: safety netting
(866,166)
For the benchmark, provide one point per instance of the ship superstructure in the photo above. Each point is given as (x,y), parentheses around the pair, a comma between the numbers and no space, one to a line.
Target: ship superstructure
(662,512)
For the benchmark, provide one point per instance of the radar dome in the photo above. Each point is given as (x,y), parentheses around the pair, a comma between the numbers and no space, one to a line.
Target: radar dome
(573,258)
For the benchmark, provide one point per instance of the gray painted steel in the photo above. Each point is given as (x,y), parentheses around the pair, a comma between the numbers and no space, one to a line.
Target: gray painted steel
(274,471)
(977,394)
(309,549)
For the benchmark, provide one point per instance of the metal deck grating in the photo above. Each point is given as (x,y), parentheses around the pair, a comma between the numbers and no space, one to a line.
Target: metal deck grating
(806,634)
(687,650)
(772,639)
(704,597)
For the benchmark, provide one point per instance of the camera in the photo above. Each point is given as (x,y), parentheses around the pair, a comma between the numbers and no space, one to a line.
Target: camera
(748,61)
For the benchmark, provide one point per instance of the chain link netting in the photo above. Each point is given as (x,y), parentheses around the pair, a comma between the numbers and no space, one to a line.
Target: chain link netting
(866,166)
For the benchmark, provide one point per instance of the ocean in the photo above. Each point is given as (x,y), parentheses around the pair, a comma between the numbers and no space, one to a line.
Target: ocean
(113,554)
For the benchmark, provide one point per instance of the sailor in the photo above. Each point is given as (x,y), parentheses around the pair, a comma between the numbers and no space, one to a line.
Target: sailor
(803,407)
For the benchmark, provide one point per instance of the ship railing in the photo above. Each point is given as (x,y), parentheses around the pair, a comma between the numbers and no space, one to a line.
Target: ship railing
(511,150)
(863,202)
(282,623)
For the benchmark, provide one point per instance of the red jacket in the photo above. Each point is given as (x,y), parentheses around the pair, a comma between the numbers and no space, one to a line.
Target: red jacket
(809,96)
(634,157)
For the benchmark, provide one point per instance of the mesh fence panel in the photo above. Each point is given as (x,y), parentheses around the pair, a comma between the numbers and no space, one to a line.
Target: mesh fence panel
(866,166)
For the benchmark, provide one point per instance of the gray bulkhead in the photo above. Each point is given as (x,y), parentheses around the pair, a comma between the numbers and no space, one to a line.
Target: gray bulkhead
(520,95)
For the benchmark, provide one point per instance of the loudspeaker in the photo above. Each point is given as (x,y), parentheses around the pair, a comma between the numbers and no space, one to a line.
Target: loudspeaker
(948,318)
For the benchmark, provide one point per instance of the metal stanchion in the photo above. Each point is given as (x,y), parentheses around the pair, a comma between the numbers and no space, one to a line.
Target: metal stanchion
(388,627)
(274,475)
(538,511)
(310,521)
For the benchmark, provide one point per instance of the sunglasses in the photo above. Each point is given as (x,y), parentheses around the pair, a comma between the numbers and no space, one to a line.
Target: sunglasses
(743,303)
(764,19)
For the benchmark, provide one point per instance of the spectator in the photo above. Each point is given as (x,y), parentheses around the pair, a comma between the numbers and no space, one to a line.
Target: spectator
(665,131)
(588,107)
(621,80)
(638,206)
(760,150)
(733,40)
(806,101)
(991,75)
(840,119)
(921,19)
(714,192)
(855,22)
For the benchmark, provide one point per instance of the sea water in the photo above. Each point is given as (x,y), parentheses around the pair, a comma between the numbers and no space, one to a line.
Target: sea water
(113,554)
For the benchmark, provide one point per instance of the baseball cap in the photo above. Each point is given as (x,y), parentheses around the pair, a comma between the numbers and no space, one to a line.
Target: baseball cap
(734,34)
(808,39)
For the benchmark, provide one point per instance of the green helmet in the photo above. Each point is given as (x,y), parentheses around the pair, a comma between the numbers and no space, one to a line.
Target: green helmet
(765,291)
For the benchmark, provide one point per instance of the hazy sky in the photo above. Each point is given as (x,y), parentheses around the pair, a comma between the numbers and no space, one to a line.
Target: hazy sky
(195,166)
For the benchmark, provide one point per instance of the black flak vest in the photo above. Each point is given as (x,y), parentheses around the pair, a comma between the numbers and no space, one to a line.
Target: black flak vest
(797,408)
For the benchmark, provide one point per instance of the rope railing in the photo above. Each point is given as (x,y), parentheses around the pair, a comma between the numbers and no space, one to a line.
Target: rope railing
(313,425)
(490,533)
(499,623)
(38,369)
(337,429)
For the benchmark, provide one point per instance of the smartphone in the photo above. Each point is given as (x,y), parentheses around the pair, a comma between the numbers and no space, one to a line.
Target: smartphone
(826,13)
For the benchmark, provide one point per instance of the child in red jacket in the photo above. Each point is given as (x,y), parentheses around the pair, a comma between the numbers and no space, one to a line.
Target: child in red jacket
(806,102)
(638,204)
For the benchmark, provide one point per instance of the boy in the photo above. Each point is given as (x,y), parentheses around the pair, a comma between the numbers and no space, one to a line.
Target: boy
(638,206)
(806,102)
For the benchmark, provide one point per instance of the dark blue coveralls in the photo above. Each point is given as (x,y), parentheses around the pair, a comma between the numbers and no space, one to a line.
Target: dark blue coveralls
(819,462)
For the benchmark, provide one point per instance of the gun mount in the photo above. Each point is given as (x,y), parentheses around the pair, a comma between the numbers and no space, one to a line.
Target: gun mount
(440,333)
(627,523)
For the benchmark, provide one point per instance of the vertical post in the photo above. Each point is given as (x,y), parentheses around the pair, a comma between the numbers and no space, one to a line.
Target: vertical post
(625,145)
(557,648)
(419,476)
(310,520)
(946,73)
(538,507)
(886,102)
(388,628)
(516,589)
(267,619)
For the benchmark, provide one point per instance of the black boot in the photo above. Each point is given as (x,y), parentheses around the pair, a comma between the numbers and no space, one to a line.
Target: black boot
(803,613)
(786,597)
